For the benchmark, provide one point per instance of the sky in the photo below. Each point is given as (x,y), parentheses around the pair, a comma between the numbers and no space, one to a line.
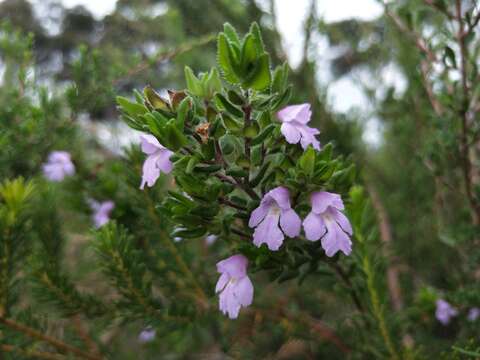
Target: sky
(343,94)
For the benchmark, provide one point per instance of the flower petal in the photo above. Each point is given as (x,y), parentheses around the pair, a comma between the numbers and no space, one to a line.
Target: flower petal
(314,227)
(258,215)
(268,232)
(321,200)
(290,222)
(335,240)
(299,113)
(222,281)
(291,133)
(281,195)
(150,171)
(342,220)
(150,144)
(244,291)
(163,161)
(308,137)
(235,266)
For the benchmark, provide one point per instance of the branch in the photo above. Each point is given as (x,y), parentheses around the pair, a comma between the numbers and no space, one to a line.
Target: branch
(163,56)
(465,149)
(443,10)
(31,353)
(386,237)
(60,345)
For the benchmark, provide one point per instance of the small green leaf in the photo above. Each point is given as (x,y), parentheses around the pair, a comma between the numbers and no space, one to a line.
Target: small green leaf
(260,77)
(249,55)
(257,35)
(231,34)
(227,105)
(193,83)
(227,144)
(131,108)
(227,59)
(211,84)
(182,112)
(307,161)
(263,135)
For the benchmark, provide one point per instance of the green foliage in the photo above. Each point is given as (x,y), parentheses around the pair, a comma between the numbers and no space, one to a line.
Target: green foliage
(414,216)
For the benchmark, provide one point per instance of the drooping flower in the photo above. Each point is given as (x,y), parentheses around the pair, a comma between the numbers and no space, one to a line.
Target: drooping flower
(294,120)
(326,221)
(473,314)
(147,335)
(101,211)
(444,311)
(234,286)
(157,161)
(58,166)
(274,210)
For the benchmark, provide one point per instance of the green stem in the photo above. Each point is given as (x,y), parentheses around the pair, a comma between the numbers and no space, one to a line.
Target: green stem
(377,308)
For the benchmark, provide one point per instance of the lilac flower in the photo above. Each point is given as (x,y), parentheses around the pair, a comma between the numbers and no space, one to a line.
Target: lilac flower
(294,120)
(58,166)
(234,286)
(444,311)
(158,160)
(147,335)
(274,209)
(101,211)
(473,314)
(326,221)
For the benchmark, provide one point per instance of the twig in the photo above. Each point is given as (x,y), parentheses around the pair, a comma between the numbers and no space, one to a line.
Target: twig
(84,335)
(240,233)
(163,56)
(386,237)
(344,277)
(466,164)
(443,10)
(31,353)
(231,204)
(60,345)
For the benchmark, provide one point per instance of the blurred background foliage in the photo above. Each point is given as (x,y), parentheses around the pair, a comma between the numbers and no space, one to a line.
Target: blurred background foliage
(61,73)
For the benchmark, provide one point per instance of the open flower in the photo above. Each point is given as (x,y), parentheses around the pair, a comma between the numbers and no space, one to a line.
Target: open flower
(146,335)
(158,160)
(58,166)
(473,314)
(101,211)
(445,311)
(234,286)
(294,120)
(326,221)
(274,209)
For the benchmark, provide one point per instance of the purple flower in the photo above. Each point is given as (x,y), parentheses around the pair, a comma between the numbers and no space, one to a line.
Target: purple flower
(234,286)
(444,311)
(473,314)
(294,126)
(158,160)
(274,209)
(101,211)
(58,166)
(147,335)
(326,221)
